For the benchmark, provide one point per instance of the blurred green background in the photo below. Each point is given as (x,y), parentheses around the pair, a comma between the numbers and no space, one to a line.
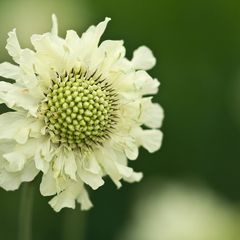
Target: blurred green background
(197,46)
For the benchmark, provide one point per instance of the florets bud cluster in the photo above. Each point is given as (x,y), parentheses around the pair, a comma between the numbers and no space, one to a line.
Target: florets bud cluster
(80,110)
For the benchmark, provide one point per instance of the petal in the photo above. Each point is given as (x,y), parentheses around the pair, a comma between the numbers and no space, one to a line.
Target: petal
(68,196)
(54,25)
(93,180)
(90,39)
(149,139)
(15,96)
(94,33)
(43,154)
(143,58)
(50,51)
(27,76)
(121,158)
(17,157)
(145,84)
(48,184)
(131,149)
(23,74)
(11,181)
(73,42)
(107,55)
(10,71)
(13,46)
(65,163)
(90,164)
(107,158)
(123,65)
(16,161)
(19,127)
(70,165)
(135,177)
(62,200)
(152,114)
(124,170)
(47,46)
(84,200)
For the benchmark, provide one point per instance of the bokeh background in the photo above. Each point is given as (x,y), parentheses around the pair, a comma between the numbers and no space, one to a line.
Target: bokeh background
(197,46)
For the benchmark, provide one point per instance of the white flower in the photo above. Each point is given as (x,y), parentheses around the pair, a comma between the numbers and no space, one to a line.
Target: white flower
(79,107)
(181,212)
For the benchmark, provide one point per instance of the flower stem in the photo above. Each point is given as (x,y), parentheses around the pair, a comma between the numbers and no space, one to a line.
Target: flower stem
(74,225)
(25,212)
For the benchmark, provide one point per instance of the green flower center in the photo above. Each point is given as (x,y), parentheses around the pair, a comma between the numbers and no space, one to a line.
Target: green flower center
(80,110)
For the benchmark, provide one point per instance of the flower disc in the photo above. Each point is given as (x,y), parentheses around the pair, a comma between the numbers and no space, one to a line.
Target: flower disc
(80,109)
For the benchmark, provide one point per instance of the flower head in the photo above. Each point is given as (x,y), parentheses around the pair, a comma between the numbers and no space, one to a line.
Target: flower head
(78,111)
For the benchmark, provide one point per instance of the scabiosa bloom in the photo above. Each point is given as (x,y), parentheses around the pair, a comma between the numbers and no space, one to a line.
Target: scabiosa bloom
(78,111)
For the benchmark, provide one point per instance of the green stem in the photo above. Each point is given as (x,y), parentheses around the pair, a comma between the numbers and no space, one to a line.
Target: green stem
(25,212)
(74,224)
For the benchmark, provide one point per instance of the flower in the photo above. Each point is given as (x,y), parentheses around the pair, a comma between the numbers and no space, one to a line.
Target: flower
(78,111)
(179,211)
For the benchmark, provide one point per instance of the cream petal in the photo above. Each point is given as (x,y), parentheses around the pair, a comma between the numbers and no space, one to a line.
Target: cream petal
(15,122)
(123,65)
(134,85)
(94,33)
(50,51)
(107,158)
(152,114)
(19,127)
(65,163)
(10,71)
(73,43)
(90,164)
(93,180)
(58,163)
(72,40)
(90,39)
(5,87)
(43,155)
(17,157)
(23,74)
(11,181)
(54,30)
(67,197)
(48,184)
(6,146)
(131,111)
(50,45)
(84,200)
(62,200)
(143,58)
(142,111)
(135,177)
(125,85)
(107,55)
(13,46)
(145,84)
(28,69)
(16,161)
(15,96)
(149,139)
(70,165)
(121,158)
(131,149)
(124,170)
